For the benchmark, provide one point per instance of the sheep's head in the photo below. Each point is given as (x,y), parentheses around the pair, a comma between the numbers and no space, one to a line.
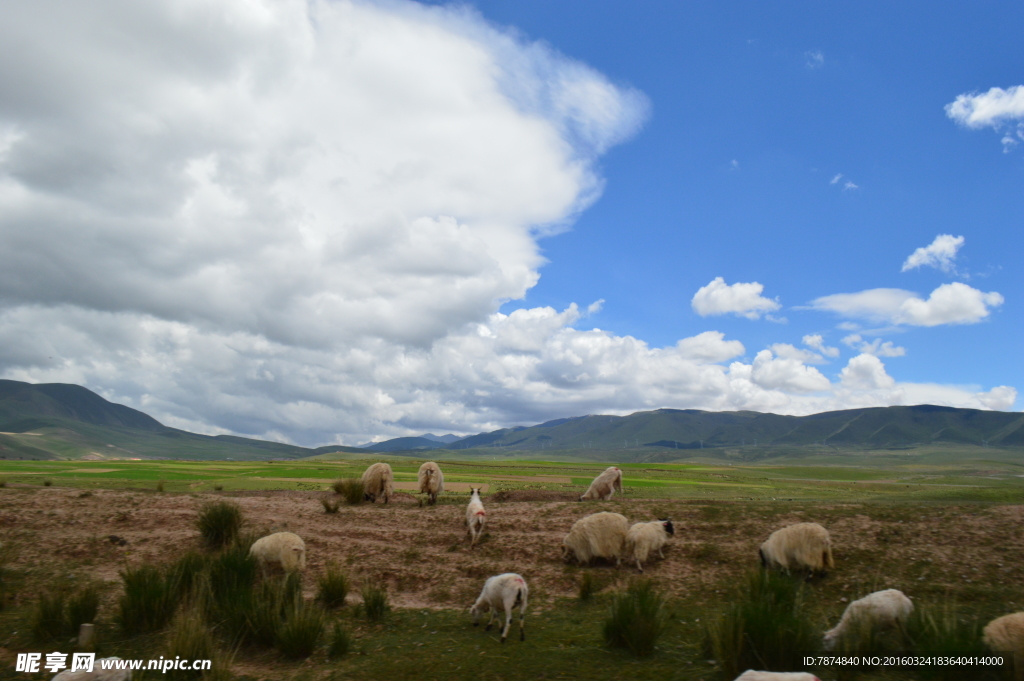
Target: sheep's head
(667,524)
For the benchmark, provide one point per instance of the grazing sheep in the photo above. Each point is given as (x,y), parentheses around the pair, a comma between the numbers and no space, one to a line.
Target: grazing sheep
(751,675)
(1006,635)
(476,517)
(431,481)
(97,673)
(503,591)
(879,610)
(643,538)
(378,482)
(281,549)
(604,485)
(800,546)
(599,535)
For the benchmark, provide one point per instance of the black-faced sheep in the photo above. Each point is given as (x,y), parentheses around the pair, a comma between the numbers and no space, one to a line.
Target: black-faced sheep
(431,481)
(283,550)
(599,535)
(604,485)
(476,517)
(644,538)
(506,592)
(378,481)
(97,673)
(879,610)
(751,675)
(1006,635)
(802,546)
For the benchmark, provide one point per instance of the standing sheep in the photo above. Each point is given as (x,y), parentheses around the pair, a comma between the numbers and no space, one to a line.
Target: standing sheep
(476,517)
(643,538)
(879,610)
(599,535)
(801,546)
(281,549)
(503,591)
(431,481)
(751,675)
(1006,635)
(378,482)
(604,485)
(98,673)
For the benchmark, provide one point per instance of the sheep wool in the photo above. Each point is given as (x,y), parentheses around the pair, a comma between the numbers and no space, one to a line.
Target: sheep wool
(97,673)
(502,592)
(804,546)
(281,549)
(599,535)
(644,538)
(604,485)
(1006,635)
(879,610)
(378,481)
(430,481)
(751,675)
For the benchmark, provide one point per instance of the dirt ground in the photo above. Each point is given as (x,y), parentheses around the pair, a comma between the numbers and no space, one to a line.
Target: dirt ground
(423,555)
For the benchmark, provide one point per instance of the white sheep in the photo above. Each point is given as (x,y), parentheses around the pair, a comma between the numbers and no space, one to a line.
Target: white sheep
(97,673)
(378,481)
(476,517)
(879,610)
(644,538)
(281,549)
(503,591)
(599,535)
(1006,635)
(799,546)
(431,481)
(604,485)
(751,675)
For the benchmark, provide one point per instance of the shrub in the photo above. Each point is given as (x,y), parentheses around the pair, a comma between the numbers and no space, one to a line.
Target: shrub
(765,627)
(299,634)
(636,620)
(219,523)
(332,586)
(350,489)
(330,507)
(148,602)
(375,603)
(340,643)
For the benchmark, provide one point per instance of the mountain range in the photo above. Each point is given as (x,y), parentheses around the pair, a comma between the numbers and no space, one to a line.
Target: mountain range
(56,420)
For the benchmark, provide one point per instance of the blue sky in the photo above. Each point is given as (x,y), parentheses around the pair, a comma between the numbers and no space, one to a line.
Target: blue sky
(336,221)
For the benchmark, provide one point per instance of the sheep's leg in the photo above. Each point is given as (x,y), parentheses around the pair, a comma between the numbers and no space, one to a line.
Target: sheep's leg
(639,566)
(522,622)
(508,619)
(660,554)
(490,620)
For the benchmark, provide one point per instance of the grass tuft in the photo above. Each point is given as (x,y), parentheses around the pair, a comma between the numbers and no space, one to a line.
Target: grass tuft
(83,606)
(219,523)
(350,489)
(148,602)
(588,586)
(47,483)
(330,507)
(160,486)
(375,603)
(636,619)
(332,586)
(942,630)
(341,641)
(299,634)
(48,622)
(190,639)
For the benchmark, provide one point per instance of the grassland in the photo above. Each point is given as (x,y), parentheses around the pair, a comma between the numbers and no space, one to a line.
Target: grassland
(947,529)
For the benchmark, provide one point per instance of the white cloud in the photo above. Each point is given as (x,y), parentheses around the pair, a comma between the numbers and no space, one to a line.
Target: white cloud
(814,59)
(742,299)
(786,374)
(865,372)
(876,347)
(850,185)
(989,109)
(709,347)
(953,303)
(836,179)
(787,351)
(939,254)
(818,343)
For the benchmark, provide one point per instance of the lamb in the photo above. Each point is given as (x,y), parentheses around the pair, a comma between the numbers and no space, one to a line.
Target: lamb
(643,538)
(502,591)
(378,482)
(751,675)
(599,535)
(431,481)
(879,610)
(476,516)
(604,485)
(281,549)
(1006,635)
(97,673)
(801,546)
